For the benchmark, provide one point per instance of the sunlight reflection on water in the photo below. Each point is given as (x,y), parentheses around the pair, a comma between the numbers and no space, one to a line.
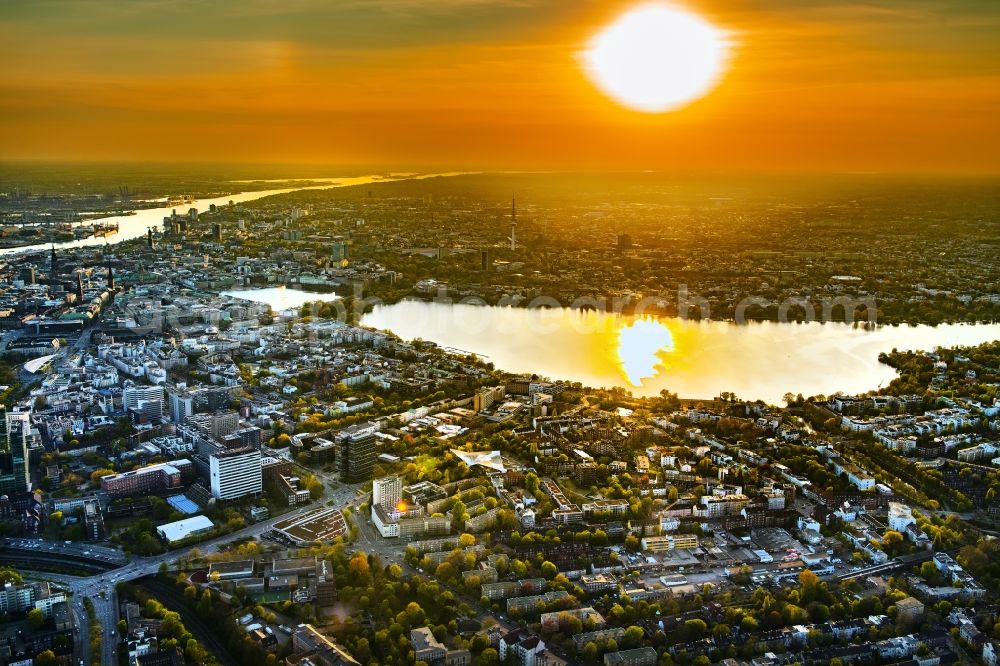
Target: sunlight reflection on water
(639,347)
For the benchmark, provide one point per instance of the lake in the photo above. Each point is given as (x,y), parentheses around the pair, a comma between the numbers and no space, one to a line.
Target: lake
(695,359)
(280,298)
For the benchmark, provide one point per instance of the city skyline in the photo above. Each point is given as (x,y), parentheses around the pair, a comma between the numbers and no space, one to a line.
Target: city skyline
(482,332)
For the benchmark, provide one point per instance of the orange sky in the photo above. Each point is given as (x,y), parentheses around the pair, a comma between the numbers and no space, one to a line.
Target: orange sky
(813,84)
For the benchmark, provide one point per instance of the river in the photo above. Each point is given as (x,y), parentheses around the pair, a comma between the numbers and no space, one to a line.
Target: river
(135,225)
(693,359)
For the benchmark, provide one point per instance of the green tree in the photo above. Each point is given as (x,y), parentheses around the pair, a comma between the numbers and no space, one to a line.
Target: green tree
(633,637)
(36,619)
(204,606)
(362,651)
(695,629)
(458,516)
(549,570)
(194,653)
(9,575)
(46,658)
(489,657)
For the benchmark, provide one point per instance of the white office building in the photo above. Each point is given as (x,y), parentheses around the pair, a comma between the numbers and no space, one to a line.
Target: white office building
(145,399)
(181,406)
(387,492)
(235,473)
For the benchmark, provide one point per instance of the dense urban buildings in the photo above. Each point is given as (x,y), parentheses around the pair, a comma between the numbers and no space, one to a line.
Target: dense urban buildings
(283,463)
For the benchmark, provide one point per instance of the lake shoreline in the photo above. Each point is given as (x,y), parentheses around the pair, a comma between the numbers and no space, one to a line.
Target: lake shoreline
(628,310)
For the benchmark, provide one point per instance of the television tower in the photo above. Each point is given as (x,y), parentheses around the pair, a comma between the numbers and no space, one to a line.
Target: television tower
(513,224)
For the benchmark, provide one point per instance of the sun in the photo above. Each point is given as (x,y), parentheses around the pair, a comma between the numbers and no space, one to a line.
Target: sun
(656,57)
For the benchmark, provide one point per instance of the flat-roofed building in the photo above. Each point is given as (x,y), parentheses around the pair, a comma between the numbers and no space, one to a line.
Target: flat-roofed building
(645,656)
(235,473)
(220,423)
(323,450)
(293,565)
(229,570)
(410,528)
(598,583)
(307,641)
(386,524)
(712,506)
(387,492)
(184,529)
(326,585)
(14,467)
(289,488)
(500,590)
(145,480)
(282,582)
(146,399)
(612,507)
(423,493)
(93,519)
(317,526)
(356,452)
(659,544)
(530,603)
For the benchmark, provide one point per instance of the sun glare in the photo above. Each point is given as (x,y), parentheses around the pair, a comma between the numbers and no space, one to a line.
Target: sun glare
(639,348)
(656,57)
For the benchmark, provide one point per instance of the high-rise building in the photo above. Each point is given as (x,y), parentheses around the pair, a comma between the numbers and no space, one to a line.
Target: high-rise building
(235,473)
(220,423)
(14,427)
(356,452)
(93,520)
(79,288)
(250,436)
(387,492)
(147,400)
(513,225)
(339,251)
(624,243)
(181,405)
(326,585)
(217,232)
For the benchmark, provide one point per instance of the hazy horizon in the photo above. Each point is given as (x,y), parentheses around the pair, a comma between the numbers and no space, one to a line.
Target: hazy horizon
(830,86)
